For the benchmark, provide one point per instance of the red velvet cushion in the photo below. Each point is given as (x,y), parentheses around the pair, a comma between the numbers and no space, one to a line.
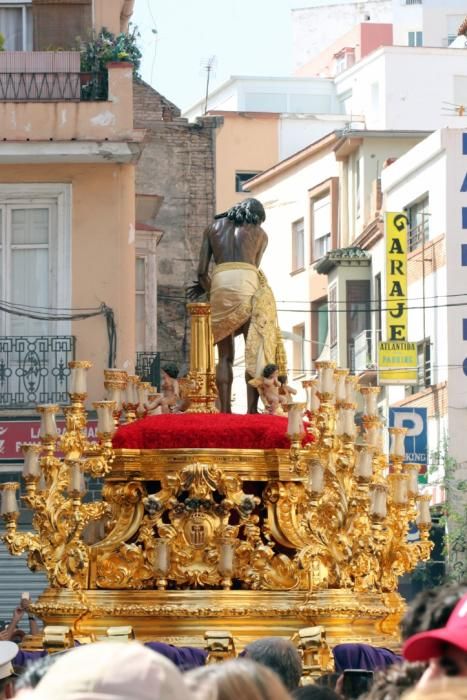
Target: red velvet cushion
(201,430)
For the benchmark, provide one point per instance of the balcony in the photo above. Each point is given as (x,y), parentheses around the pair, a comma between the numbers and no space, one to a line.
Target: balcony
(45,98)
(34,370)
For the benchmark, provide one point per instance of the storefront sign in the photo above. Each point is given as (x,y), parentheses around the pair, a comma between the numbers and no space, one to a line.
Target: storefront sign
(415,419)
(15,432)
(397,363)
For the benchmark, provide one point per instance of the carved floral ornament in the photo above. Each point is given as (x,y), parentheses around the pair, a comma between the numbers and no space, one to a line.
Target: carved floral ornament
(339,521)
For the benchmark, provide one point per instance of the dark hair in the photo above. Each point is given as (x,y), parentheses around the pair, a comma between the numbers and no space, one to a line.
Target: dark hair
(432,609)
(393,681)
(328,680)
(250,211)
(171,369)
(267,371)
(280,655)
(35,671)
(315,692)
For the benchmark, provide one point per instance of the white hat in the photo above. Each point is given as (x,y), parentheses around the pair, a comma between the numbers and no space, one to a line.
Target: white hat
(110,671)
(8,651)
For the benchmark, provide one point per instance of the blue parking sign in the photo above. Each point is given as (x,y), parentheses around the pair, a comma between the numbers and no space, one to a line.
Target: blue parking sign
(416,440)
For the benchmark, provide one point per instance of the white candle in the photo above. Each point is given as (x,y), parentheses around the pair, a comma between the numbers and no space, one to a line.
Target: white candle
(370,399)
(397,441)
(372,436)
(424,515)
(162,556)
(226,557)
(378,502)
(32,455)
(105,421)
(400,489)
(340,422)
(350,389)
(132,389)
(75,477)
(48,427)
(327,380)
(9,503)
(364,465)
(142,394)
(349,422)
(314,400)
(412,471)
(316,476)
(78,381)
(115,394)
(295,420)
(341,392)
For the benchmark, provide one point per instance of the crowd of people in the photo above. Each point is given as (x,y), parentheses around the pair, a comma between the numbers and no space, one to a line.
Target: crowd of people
(432,666)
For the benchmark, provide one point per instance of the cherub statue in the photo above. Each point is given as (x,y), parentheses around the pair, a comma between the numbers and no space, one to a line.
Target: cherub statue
(170,397)
(285,390)
(274,392)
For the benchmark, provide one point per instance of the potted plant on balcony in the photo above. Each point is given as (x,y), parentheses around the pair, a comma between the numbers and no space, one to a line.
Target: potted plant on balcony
(99,50)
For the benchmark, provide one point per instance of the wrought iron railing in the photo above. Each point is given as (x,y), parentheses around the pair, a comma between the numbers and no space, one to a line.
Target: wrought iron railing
(52,87)
(34,369)
(148,367)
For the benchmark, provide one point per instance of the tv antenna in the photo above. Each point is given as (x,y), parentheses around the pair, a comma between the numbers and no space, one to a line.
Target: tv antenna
(209,66)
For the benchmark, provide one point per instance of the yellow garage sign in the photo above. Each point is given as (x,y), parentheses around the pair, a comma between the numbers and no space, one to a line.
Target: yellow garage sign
(397,363)
(396,276)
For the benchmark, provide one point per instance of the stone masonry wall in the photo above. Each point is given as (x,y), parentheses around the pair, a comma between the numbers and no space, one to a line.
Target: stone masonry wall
(178,163)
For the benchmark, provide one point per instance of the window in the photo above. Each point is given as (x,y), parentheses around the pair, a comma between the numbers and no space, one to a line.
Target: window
(321,226)
(419,222)
(358,314)
(320,326)
(298,335)
(358,189)
(333,316)
(241,178)
(453,23)
(140,285)
(423,367)
(16,26)
(415,39)
(35,255)
(298,245)
(378,304)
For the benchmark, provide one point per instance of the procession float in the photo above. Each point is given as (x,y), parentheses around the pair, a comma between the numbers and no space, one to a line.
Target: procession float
(221,525)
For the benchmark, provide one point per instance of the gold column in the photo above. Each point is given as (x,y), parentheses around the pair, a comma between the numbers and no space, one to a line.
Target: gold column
(200,382)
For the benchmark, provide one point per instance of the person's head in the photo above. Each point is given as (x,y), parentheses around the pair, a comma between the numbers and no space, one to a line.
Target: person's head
(445,647)
(431,609)
(8,651)
(239,679)
(315,692)
(446,689)
(249,211)
(393,681)
(35,671)
(280,655)
(112,671)
(362,656)
(171,369)
(269,370)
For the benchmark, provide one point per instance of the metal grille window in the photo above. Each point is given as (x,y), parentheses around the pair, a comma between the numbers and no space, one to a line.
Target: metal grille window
(16,25)
(424,377)
(298,245)
(419,223)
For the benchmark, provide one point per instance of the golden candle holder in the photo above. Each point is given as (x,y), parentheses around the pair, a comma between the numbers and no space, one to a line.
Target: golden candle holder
(115,381)
(260,540)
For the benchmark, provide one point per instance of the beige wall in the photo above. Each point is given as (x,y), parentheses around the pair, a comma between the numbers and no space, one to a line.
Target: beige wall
(103,262)
(112,14)
(245,142)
